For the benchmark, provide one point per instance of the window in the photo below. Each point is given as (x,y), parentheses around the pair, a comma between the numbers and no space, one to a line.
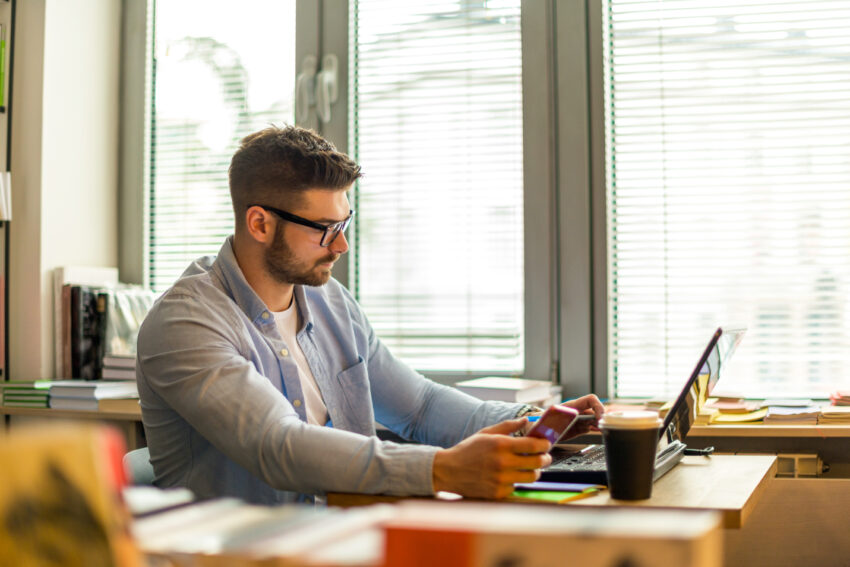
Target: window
(728,128)
(214,82)
(434,95)
(438,127)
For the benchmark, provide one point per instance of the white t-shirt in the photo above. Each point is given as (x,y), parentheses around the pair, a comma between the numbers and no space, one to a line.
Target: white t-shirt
(287,325)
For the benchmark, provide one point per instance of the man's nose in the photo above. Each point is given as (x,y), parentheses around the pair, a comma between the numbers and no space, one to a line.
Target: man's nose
(339,245)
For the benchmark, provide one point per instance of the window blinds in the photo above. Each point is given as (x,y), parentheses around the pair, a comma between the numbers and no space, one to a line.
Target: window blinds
(437,128)
(214,82)
(728,139)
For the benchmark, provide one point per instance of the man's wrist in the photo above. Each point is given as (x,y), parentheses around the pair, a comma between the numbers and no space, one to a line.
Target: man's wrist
(437,472)
(527,410)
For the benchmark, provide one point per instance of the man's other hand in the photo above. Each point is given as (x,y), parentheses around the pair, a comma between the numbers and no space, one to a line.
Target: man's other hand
(487,464)
(587,405)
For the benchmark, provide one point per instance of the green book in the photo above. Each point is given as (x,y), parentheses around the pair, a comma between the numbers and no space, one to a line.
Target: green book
(551,495)
(27,404)
(26,385)
(24,396)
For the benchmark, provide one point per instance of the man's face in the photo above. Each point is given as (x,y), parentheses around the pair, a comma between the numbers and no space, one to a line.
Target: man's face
(295,255)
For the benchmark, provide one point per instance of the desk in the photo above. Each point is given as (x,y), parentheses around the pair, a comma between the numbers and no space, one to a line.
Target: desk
(831,443)
(761,430)
(129,423)
(730,484)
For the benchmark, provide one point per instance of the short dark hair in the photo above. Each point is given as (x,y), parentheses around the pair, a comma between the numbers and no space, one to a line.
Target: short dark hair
(275,165)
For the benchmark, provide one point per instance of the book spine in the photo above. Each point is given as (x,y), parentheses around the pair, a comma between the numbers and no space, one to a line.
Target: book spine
(86,320)
(76,345)
(102,303)
(67,366)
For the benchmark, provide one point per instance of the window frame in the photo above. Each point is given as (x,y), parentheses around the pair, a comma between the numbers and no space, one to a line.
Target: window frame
(564,326)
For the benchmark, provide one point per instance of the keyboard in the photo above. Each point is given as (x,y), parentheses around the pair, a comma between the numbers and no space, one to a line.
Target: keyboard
(590,458)
(588,465)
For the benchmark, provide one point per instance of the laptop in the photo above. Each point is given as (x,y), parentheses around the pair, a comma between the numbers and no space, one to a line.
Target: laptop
(588,464)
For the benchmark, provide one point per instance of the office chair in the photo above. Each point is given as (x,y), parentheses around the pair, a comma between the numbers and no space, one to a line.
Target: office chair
(137,465)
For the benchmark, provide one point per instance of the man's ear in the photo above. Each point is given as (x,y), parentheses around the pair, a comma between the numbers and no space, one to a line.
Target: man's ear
(259,225)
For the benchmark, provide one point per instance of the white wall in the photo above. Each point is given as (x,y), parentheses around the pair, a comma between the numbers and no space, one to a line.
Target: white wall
(64,161)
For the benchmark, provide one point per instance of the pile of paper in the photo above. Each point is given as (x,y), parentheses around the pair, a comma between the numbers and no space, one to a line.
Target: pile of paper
(835,415)
(739,405)
(729,410)
(792,415)
(748,417)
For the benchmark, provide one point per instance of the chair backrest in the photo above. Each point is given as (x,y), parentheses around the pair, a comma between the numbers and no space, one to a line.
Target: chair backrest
(137,465)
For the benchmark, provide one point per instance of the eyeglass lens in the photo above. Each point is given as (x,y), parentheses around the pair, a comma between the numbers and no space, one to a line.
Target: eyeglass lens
(333,231)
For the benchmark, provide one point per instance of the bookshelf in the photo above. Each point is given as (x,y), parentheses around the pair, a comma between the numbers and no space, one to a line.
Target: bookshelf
(129,423)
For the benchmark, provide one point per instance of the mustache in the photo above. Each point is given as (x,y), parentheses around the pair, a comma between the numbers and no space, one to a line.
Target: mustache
(329,258)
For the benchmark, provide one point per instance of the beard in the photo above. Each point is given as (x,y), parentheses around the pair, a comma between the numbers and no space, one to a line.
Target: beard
(284,267)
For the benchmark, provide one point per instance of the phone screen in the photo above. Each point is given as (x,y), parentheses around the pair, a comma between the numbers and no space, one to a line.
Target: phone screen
(554,422)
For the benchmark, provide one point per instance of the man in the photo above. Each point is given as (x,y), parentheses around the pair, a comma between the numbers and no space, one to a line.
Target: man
(260,376)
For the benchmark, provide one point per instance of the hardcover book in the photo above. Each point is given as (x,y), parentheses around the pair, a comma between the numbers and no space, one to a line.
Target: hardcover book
(94,389)
(88,318)
(97,277)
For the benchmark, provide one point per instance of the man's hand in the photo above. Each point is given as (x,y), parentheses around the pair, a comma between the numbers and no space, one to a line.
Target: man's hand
(588,404)
(487,464)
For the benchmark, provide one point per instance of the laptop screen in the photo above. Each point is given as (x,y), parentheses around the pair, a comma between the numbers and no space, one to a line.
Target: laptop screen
(683,412)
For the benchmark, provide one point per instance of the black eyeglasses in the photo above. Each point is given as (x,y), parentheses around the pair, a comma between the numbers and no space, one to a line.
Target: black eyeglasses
(329,231)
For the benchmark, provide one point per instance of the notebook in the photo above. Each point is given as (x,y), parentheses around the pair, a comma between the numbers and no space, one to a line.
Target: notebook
(588,464)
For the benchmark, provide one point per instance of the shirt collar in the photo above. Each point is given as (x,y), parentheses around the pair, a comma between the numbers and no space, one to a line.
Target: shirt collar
(235,284)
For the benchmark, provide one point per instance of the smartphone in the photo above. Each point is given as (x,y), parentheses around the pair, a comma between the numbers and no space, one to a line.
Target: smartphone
(554,423)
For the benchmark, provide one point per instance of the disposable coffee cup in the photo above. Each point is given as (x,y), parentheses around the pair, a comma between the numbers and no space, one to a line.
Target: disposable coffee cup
(631,439)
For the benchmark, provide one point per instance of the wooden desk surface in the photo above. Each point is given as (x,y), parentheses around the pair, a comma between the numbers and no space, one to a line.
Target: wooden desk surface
(761,430)
(730,484)
(135,415)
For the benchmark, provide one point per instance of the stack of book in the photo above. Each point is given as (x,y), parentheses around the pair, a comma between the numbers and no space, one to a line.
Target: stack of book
(94,395)
(797,414)
(119,367)
(834,415)
(515,390)
(23,394)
